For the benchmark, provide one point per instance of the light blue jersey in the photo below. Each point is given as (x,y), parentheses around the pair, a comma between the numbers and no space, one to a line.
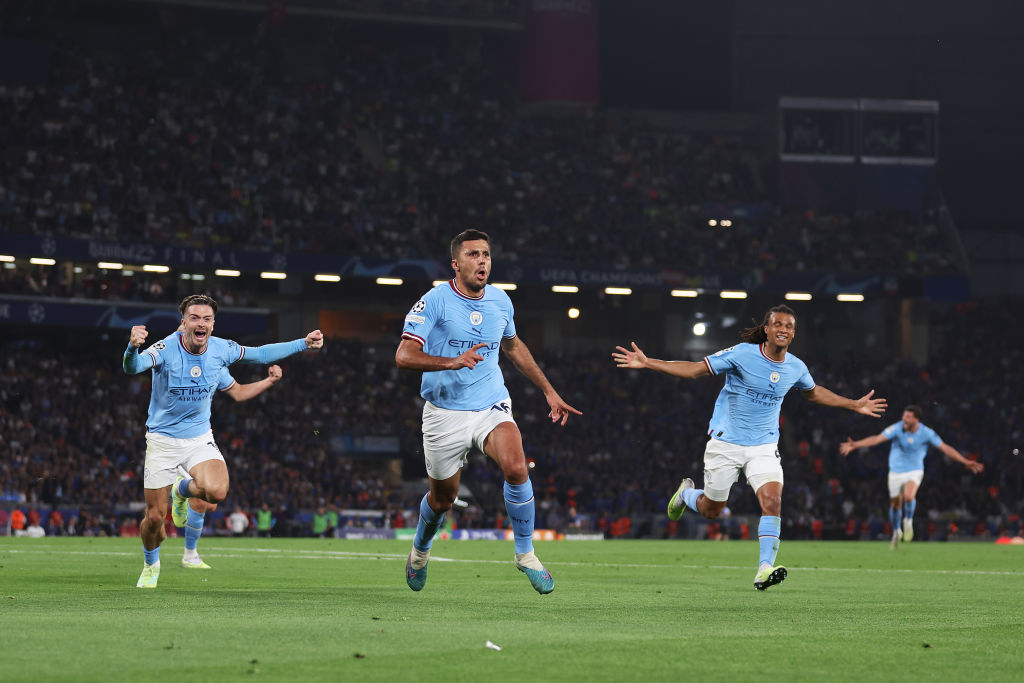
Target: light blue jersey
(184,383)
(908,449)
(747,409)
(447,323)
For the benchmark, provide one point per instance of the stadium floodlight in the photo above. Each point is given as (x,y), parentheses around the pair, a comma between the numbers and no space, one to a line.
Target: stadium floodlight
(849,297)
(574,313)
(155,269)
(712,222)
(198,276)
(4,258)
(620,291)
(798,296)
(726,223)
(699,329)
(227,272)
(327,277)
(186,276)
(733,294)
(273,275)
(684,293)
(565,289)
(42,261)
(393,281)
(110,265)
(507,286)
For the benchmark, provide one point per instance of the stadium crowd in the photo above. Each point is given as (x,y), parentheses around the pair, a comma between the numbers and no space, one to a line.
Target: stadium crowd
(82,445)
(211,139)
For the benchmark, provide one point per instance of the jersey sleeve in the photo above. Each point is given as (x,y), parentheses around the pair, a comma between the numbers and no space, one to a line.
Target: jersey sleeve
(225,381)
(804,382)
(421,318)
(723,360)
(510,326)
(158,351)
(933,438)
(890,431)
(233,352)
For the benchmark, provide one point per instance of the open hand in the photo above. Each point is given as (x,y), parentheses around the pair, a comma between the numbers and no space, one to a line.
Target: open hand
(625,358)
(872,407)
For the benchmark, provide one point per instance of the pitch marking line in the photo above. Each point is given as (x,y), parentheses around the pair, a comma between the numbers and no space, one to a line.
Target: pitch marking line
(239,553)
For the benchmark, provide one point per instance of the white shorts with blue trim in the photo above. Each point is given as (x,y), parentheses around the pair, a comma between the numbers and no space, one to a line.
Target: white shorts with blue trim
(164,454)
(723,462)
(898,479)
(449,435)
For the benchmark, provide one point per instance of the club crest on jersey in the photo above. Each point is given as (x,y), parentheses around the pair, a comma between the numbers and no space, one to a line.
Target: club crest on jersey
(418,306)
(910,439)
(774,377)
(476,317)
(195,371)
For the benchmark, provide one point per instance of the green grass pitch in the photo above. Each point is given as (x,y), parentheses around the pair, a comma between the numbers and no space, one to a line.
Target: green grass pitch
(296,610)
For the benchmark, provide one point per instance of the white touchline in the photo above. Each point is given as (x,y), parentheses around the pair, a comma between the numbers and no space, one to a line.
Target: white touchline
(346,555)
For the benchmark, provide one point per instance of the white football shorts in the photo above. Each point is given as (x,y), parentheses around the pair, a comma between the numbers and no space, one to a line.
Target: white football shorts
(449,435)
(898,479)
(723,462)
(164,454)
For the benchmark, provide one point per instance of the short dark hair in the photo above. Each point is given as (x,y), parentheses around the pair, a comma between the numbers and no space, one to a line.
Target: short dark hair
(197,300)
(915,409)
(466,236)
(757,335)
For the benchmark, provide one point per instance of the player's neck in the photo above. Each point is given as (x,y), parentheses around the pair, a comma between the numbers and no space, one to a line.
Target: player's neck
(467,292)
(193,348)
(775,353)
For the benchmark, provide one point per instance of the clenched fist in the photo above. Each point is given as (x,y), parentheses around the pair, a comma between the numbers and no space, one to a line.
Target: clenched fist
(138,335)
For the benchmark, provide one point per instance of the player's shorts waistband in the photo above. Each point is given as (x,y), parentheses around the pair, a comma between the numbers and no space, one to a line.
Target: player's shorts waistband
(489,406)
(171,440)
(729,444)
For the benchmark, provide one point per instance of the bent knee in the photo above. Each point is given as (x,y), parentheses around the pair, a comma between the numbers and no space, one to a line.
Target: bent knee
(155,516)
(215,494)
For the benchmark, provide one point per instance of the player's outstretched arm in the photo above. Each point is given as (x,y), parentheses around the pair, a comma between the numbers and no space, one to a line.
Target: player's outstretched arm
(972,465)
(521,357)
(848,446)
(271,353)
(865,405)
(411,356)
(636,359)
(132,362)
(243,392)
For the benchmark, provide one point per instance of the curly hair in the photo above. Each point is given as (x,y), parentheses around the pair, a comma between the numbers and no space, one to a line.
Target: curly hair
(757,335)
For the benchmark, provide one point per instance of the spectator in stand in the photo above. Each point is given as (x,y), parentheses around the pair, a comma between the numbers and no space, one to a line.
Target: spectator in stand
(238,522)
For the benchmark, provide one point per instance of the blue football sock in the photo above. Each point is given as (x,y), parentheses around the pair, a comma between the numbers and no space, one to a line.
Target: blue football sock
(427,526)
(193,528)
(520,507)
(183,487)
(909,507)
(896,517)
(768,531)
(690,497)
(152,556)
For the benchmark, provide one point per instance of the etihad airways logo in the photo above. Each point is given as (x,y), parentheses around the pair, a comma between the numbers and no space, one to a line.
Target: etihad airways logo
(196,393)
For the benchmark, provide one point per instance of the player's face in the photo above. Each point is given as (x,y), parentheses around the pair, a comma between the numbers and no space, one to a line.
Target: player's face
(781,329)
(198,324)
(910,421)
(473,265)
